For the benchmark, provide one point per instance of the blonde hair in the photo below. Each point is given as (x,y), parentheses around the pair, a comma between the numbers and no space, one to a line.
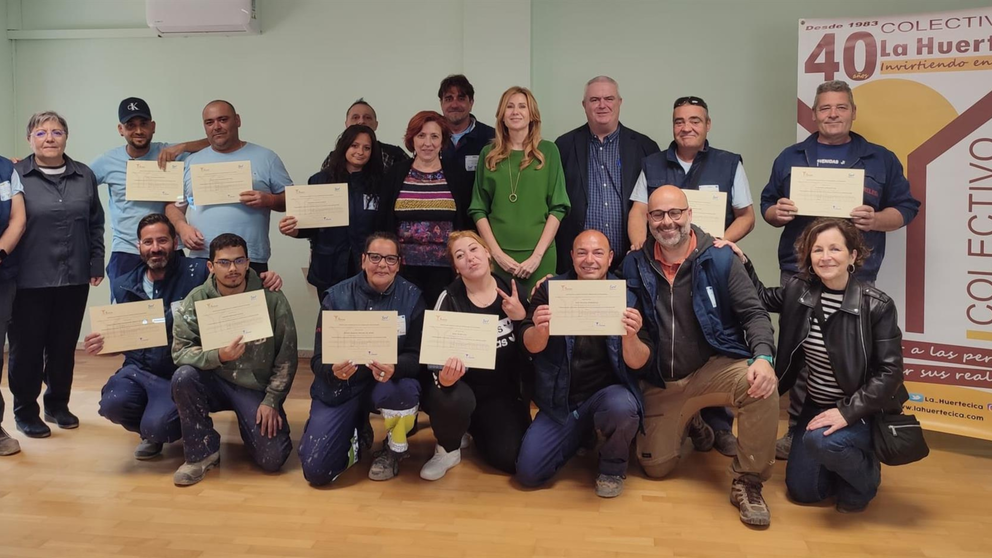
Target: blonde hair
(501,144)
(455,236)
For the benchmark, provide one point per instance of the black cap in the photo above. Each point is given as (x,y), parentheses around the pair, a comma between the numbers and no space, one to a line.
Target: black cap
(131,107)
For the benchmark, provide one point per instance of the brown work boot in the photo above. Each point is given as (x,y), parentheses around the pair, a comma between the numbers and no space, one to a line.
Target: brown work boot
(745,494)
(700,433)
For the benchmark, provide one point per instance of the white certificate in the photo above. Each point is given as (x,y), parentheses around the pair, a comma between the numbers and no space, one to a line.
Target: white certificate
(318,205)
(587,307)
(130,326)
(147,182)
(468,336)
(218,183)
(224,319)
(360,337)
(827,192)
(709,210)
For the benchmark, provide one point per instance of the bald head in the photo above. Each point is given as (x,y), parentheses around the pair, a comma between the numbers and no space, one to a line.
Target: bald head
(221,123)
(591,255)
(669,217)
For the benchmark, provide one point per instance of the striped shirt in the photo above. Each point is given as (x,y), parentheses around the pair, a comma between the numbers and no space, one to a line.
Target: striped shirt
(821,385)
(425,213)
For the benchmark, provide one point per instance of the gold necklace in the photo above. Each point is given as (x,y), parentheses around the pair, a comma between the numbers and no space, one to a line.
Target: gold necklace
(513,186)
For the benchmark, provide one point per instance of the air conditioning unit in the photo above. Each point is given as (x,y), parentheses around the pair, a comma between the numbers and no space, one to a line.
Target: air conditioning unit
(202,17)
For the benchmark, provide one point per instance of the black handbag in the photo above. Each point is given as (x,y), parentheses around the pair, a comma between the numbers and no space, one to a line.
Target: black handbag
(898,439)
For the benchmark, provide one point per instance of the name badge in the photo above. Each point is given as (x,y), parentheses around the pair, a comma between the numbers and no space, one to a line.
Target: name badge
(471,162)
(371,203)
(709,188)
(5,191)
(400,326)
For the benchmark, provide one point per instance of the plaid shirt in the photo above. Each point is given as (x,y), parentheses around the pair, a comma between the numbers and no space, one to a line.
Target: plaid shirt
(605,209)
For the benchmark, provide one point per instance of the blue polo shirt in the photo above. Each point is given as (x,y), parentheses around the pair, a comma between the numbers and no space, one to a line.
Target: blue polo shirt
(111,169)
(268,174)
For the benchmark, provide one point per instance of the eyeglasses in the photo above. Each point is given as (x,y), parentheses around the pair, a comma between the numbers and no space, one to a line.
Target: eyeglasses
(240,262)
(42,134)
(658,215)
(690,101)
(376,258)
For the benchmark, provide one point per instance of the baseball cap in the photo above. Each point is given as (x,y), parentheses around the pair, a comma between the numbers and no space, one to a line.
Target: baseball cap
(131,107)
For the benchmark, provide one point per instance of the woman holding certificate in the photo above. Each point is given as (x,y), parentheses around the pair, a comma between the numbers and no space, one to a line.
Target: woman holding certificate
(61,257)
(485,403)
(336,252)
(519,198)
(345,392)
(421,207)
(843,336)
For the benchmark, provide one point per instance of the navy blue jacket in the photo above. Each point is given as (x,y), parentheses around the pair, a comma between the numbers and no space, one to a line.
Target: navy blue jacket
(8,270)
(714,308)
(711,166)
(885,186)
(336,252)
(460,178)
(356,294)
(574,149)
(182,276)
(552,366)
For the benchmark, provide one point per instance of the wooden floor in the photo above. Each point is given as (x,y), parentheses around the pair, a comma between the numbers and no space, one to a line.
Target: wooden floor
(80,493)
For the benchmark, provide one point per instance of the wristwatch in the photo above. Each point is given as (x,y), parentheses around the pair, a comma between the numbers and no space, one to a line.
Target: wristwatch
(770,359)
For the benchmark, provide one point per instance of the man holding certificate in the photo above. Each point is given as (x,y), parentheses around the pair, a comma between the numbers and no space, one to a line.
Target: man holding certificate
(251,379)
(238,184)
(887,202)
(705,320)
(344,391)
(112,168)
(583,382)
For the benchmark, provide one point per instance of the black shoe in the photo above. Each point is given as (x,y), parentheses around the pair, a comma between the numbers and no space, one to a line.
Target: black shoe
(63,418)
(33,427)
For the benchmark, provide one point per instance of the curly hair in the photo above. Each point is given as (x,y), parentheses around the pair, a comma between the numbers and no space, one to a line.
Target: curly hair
(853,240)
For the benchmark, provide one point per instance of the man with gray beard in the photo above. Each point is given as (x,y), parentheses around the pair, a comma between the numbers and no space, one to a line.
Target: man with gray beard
(703,303)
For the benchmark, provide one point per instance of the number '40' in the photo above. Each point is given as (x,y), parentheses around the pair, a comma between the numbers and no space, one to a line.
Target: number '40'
(823,59)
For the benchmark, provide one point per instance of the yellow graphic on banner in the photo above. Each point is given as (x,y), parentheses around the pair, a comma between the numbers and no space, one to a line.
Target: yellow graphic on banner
(952,409)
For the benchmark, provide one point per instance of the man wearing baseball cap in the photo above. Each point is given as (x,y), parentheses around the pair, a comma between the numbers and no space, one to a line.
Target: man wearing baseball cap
(137,128)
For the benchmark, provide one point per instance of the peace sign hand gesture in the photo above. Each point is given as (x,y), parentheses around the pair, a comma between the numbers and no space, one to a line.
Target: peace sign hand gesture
(511,303)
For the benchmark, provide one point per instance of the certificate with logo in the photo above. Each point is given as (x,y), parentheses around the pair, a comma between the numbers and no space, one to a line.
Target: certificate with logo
(147,182)
(360,337)
(468,336)
(318,205)
(224,319)
(709,210)
(824,192)
(587,307)
(130,326)
(219,183)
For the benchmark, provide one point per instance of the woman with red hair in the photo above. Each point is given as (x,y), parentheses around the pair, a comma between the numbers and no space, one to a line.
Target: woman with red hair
(420,206)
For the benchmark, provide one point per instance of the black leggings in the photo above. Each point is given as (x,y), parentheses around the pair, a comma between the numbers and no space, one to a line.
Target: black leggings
(497,424)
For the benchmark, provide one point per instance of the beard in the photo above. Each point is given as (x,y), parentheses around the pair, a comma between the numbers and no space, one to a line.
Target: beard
(674,241)
(157,260)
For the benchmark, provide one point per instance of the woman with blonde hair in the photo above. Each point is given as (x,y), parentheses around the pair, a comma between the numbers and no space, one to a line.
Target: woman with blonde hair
(519,198)
(485,403)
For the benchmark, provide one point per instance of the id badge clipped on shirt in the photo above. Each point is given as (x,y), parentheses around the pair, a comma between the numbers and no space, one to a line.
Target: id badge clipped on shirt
(471,162)
(400,326)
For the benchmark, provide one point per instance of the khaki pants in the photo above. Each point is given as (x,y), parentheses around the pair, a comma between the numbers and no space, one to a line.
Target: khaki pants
(721,382)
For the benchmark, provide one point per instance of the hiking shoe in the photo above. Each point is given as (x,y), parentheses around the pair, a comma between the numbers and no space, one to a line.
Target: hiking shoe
(8,445)
(700,433)
(62,418)
(33,427)
(438,465)
(191,473)
(609,486)
(725,442)
(386,464)
(745,494)
(147,450)
(783,446)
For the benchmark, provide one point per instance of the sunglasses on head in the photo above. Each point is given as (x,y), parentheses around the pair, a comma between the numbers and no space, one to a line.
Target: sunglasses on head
(690,101)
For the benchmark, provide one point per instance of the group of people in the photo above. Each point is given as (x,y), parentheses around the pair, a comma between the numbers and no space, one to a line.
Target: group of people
(479,220)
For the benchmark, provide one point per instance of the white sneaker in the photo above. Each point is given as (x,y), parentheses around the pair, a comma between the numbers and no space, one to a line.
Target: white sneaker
(440,463)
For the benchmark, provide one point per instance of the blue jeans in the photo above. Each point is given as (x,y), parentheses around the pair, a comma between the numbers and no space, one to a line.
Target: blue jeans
(548,444)
(198,393)
(841,464)
(330,437)
(141,402)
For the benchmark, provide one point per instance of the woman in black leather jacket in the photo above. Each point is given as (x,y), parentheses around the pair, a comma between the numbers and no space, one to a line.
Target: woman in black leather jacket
(844,335)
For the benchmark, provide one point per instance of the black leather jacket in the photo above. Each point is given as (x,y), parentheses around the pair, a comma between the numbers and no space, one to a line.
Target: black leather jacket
(862,338)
